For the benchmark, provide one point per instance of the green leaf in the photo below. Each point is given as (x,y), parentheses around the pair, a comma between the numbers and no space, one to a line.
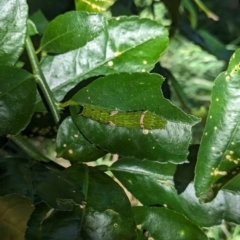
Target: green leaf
(14,214)
(17,99)
(32,29)
(48,223)
(153,220)
(71,31)
(39,20)
(72,145)
(193,17)
(94,5)
(219,153)
(38,183)
(153,183)
(13,28)
(129,44)
(134,92)
(106,215)
(233,185)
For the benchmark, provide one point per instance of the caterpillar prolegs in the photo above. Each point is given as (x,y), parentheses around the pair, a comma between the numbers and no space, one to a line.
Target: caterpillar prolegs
(130,119)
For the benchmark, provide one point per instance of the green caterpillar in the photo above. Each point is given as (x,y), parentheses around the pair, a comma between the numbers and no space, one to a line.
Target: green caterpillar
(131,119)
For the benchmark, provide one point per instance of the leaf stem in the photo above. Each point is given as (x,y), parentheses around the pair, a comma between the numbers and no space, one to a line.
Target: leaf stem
(208,12)
(28,148)
(40,79)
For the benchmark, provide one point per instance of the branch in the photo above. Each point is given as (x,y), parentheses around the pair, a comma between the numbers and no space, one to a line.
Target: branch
(40,79)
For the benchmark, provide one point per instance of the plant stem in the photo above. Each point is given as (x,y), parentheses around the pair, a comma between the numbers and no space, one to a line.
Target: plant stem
(204,8)
(28,148)
(40,79)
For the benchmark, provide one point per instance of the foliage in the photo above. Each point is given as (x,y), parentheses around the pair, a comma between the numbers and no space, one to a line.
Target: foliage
(89,87)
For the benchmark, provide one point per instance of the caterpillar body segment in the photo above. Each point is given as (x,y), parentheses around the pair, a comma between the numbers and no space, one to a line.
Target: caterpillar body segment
(130,119)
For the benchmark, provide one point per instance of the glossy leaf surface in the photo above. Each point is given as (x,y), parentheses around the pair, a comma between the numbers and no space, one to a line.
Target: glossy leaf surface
(165,224)
(219,154)
(72,145)
(134,92)
(129,44)
(102,218)
(13,28)
(38,183)
(93,5)
(153,183)
(17,99)
(71,31)
(108,217)
(48,223)
(15,211)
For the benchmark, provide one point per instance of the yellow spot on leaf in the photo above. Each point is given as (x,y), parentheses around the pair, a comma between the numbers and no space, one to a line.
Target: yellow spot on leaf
(182,233)
(217,172)
(117,54)
(228,157)
(110,63)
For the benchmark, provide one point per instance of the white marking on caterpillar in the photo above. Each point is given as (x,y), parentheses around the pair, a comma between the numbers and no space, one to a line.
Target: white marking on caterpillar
(112,113)
(142,118)
(112,124)
(145,131)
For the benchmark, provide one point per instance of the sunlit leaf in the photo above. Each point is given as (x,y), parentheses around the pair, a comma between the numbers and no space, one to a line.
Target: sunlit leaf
(71,31)
(13,28)
(129,44)
(134,92)
(93,5)
(219,153)
(154,184)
